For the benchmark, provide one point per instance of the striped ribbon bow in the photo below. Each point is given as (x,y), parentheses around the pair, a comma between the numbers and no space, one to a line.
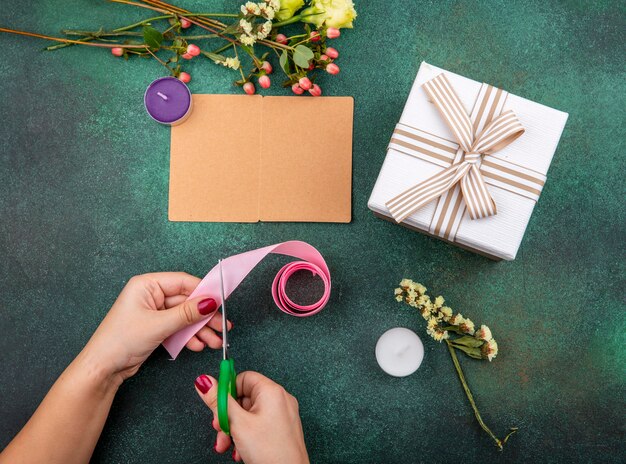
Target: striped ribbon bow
(500,132)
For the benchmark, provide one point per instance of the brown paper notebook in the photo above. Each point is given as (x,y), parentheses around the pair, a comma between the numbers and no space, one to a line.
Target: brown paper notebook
(241,158)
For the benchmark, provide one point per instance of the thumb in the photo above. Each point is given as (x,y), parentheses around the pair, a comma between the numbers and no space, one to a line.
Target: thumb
(187,313)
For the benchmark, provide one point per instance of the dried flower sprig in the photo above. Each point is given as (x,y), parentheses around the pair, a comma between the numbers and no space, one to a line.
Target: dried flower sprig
(441,321)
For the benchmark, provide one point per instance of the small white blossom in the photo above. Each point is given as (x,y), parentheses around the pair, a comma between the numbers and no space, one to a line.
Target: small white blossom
(251,8)
(489,349)
(246,26)
(274,4)
(267,11)
(247,40)
(484,333)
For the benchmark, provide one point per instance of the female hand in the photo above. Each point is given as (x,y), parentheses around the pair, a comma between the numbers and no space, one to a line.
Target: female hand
(150,308)
(264,422)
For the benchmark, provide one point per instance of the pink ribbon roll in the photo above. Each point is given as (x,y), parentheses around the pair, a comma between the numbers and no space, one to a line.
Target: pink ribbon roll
(237,267)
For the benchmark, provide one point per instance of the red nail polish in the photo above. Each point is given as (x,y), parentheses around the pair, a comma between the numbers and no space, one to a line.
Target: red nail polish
(207,306)
(203,383)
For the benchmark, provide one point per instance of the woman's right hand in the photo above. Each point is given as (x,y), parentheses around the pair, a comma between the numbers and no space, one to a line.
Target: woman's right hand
(264,422)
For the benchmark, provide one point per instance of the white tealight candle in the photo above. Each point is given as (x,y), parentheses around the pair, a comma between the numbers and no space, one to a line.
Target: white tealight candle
(399,352)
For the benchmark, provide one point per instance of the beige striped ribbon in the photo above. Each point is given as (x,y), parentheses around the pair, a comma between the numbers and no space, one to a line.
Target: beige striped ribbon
(461,179)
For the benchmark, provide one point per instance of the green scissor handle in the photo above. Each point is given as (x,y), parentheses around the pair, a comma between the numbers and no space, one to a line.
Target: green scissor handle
(226,385)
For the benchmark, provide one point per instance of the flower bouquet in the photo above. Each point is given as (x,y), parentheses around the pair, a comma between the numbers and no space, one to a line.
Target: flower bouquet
(254,32)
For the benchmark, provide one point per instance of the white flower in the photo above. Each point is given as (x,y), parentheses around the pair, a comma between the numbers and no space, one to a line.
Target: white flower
(232,63)
(332,13)
(432,323)
(246,26)
(467,326)
(489,349)
(439,301)
(251,8)
(267,11)
(274,4)
(247,40)
(484,333)
(446,313)
(406,283)
(264,30)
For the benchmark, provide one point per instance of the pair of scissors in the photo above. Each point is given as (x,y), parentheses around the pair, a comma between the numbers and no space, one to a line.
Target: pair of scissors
(227,382)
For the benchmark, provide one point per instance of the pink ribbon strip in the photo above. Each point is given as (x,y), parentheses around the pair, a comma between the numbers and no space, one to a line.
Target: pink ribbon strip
(237,267)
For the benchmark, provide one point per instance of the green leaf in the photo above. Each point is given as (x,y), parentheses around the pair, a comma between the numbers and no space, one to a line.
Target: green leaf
(152,37)
(301,56)
(284,61)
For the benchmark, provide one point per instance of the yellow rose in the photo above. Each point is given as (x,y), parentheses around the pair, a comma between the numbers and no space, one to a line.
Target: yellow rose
(332,13)
(288,8)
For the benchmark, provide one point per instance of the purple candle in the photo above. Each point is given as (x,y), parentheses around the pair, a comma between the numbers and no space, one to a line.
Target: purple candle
(168,100)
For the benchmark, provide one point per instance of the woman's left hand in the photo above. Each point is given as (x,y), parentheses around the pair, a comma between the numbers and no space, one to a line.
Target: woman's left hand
(150,308)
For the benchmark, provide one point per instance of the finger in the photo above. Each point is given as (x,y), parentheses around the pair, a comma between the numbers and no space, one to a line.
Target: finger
(174,283)
(171,301)
(222,442)
(209,338)
(194,344)
(206,386)
(216,322)
(185,314)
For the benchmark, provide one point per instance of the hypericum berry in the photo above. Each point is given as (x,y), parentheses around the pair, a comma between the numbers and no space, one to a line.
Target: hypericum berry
(324,58)
(265,82)
(295,88)
(187,56)
(267,67)
(316,91)
(332,33)
(281,39)
(117,51)
(305,83)
(193,50)
(315,36)
(248,87)
(185,77)
(332,68)
(332,52)
(185,23)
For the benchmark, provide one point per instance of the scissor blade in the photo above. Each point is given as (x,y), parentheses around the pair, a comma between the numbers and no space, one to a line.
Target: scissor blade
(224,319)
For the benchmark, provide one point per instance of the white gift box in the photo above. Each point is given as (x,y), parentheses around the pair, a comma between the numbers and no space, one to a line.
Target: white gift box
(423,145)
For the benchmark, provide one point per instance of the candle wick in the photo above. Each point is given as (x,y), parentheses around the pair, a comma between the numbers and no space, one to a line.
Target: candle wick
(162,95)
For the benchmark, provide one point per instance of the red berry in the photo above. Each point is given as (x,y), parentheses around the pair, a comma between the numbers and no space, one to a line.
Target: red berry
(332,52)
(316,91)
(305,83)
(193,50)
(185,77)
(281,39)
(295,88)
(248,87)
(332,33)
(117,51)
(324,58)
(264,81)
(187,56)
(332,68)
(267,67)
(315,36)
(185,23)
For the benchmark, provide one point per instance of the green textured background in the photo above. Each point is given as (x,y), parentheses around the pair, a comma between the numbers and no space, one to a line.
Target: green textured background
(83,207)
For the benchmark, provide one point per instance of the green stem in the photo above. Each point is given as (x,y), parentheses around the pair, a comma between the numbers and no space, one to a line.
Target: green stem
(470,397)
(222,49)
(293,19)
